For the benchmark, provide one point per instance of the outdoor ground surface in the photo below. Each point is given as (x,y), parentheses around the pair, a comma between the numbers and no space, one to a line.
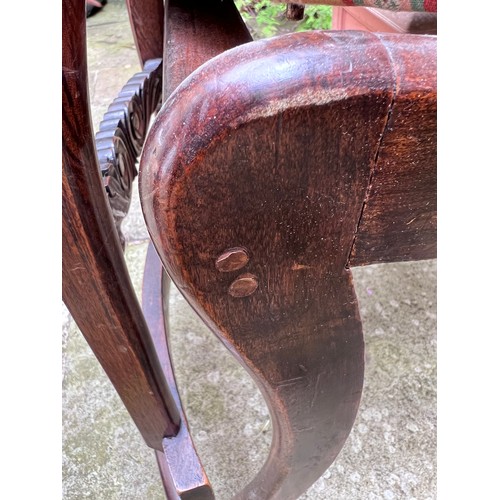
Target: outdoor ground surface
(391,452)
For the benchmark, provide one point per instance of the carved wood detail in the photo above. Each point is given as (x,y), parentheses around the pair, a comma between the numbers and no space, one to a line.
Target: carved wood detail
(121,136)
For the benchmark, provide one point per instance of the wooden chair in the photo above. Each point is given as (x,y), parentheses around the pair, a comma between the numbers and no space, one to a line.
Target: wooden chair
(272,168)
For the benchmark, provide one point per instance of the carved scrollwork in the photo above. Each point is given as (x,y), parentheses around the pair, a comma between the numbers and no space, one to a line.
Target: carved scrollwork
(121,136)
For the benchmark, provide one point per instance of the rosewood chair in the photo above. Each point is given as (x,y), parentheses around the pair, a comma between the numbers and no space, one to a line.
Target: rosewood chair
(272,168)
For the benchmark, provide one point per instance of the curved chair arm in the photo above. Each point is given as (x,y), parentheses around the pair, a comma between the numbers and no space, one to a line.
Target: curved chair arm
(257,184)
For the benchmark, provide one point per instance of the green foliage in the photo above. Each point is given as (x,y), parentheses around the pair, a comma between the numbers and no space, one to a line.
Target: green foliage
(266,18)
(263,17)
(268,15)
(316,17)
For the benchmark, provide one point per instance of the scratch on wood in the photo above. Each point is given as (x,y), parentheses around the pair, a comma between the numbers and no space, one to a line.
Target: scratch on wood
(316,389)
(305,429)
(291,381)
(342,73)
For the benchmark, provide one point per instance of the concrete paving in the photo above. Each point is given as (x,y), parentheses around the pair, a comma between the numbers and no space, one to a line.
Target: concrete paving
(391,452)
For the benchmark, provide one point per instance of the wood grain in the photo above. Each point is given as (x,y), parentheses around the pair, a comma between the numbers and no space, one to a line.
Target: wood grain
(180,467)
(195,32)
(399,220)
(96,285)
(312,152)
(146,21)
(270,148)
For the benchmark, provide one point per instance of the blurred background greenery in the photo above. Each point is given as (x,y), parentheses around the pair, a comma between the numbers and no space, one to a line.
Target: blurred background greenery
(266,18)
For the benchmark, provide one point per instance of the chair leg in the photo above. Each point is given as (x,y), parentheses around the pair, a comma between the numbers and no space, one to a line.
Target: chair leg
(313,390)
(252,201)
(96,286)
(180,467)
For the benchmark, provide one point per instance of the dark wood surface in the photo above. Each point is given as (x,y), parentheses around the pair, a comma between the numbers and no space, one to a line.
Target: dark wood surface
(180,467)
(270,149)
(121,136)
(273,148)
(399,219)
(146,21)
(195,32)
(269,172)
(96,285)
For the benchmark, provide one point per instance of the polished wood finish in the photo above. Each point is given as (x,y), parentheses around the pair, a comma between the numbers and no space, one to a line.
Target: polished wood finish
(399,220)
(96,285)
(146,21)
(288,171)
(283,172)
(244,285)
(180,467)
(195,32)
(268,173)
(121,136)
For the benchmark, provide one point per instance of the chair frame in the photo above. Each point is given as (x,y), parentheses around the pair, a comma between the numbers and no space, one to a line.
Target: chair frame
(96,285)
